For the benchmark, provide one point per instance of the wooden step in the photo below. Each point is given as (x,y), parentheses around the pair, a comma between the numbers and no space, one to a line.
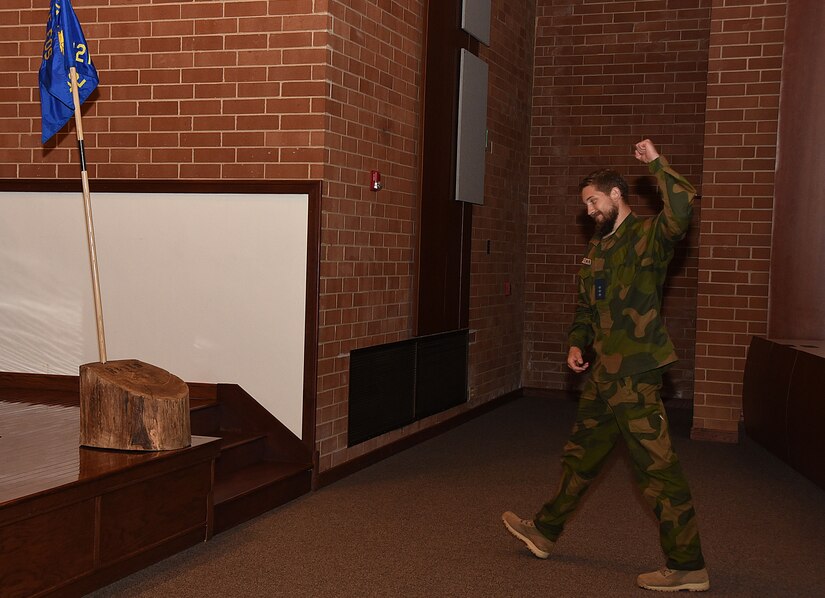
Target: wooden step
(256,489)
(205,416)
(261,464)
(238,451)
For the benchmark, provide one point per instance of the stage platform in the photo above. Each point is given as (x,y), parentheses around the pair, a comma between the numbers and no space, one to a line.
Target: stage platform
(72,518)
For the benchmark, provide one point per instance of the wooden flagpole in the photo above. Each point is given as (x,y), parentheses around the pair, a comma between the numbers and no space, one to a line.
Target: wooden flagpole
(90,228)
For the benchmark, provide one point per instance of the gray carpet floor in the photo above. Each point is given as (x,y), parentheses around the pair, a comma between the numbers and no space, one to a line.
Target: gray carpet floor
(426,522)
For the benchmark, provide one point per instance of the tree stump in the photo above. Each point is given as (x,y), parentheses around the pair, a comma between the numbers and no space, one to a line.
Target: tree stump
(135,406)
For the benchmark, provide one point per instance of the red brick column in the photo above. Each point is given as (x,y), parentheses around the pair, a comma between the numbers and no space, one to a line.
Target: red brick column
(735,245)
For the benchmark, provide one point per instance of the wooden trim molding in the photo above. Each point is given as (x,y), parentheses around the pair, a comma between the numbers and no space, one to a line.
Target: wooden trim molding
(341,471)
(163,186)
(708,435)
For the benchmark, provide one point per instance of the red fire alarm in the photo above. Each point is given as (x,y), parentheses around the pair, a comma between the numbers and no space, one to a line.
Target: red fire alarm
(375,181)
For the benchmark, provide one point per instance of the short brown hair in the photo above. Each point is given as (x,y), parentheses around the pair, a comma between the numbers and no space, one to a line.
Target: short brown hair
(605,180)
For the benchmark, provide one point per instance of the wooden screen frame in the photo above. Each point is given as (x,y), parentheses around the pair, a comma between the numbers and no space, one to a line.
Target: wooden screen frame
(313,191)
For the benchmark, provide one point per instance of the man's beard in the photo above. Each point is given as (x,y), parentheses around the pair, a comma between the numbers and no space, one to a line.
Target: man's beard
(605,227)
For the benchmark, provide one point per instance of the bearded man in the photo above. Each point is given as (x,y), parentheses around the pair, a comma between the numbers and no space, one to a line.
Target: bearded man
(618,314)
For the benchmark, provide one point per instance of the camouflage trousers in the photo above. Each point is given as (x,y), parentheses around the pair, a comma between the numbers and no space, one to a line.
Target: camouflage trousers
(630,408)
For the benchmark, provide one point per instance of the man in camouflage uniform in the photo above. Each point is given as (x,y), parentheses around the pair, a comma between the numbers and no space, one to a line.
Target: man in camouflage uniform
(619,315)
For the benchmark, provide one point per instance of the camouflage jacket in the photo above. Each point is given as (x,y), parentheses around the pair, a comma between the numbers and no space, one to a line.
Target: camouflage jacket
(624,324)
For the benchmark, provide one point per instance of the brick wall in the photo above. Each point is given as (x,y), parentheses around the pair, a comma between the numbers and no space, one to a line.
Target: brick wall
(368,238)
(384,314)
(188,90)
(606,75)
(744,71)
(496,317)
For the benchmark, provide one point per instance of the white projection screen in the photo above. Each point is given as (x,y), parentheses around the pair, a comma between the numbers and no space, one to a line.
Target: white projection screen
(209,286)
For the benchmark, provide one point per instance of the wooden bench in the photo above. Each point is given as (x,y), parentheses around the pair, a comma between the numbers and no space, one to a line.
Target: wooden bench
(783,400)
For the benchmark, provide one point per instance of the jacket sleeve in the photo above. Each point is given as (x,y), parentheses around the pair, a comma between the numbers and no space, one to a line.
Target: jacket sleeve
(581,332)
(677,194)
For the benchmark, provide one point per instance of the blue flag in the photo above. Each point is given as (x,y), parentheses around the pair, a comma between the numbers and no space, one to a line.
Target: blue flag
(65,47)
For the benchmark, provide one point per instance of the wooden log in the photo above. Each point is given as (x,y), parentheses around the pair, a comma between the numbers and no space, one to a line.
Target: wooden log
(131,405)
